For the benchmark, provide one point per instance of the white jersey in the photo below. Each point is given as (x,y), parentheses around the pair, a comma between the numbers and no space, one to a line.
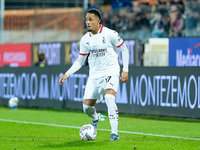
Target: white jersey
(102,51)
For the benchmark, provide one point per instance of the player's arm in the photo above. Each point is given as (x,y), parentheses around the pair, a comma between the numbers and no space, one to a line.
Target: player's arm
(75,67)
(119,43)
(125,59)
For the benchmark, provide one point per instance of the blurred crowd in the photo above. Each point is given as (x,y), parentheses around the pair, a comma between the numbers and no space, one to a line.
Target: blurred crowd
(141,20)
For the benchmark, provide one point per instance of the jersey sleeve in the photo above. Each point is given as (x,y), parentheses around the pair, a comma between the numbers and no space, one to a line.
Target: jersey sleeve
(116,39)
(77,65)
(83,49)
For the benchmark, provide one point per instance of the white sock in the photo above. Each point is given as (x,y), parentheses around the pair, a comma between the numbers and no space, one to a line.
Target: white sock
(112,112)
(90,111)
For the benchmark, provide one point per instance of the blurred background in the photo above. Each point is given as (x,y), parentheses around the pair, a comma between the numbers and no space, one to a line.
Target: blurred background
(46,33)
(37,21)
(27,21)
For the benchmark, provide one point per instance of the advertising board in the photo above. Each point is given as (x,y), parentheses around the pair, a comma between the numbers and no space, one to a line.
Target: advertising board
(184,52)
(15,55)
(167,91)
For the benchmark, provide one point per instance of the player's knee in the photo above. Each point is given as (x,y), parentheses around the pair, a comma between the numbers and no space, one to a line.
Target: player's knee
(88,109)
(89,102)
(110,91)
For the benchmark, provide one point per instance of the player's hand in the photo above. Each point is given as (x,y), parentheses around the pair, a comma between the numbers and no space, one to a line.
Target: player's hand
(63,78)
(124,77)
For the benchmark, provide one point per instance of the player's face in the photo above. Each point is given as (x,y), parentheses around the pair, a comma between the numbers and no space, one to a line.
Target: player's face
(92,23)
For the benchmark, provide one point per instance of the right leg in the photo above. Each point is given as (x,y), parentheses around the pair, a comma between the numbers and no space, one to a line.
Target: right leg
(92,93)
(90,110)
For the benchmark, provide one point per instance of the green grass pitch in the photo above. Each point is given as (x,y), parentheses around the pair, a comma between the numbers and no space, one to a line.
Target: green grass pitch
(44,129)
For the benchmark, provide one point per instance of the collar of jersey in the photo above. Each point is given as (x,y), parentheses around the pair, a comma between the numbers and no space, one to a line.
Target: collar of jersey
(100,30)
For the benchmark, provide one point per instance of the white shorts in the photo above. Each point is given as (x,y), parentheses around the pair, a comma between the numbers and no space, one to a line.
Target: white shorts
(95,87)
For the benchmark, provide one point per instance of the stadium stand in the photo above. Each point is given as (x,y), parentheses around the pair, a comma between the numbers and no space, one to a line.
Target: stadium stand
(32,21)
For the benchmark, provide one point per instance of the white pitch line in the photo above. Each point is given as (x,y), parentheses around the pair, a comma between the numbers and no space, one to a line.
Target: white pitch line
(65,126)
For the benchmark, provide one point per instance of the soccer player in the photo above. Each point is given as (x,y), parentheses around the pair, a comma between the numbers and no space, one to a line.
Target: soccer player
(100,44)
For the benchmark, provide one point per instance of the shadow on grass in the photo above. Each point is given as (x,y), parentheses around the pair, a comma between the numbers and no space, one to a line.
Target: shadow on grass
(73,144)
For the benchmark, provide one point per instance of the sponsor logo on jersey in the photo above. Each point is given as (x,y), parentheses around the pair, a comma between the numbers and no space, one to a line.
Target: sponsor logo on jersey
(98,52)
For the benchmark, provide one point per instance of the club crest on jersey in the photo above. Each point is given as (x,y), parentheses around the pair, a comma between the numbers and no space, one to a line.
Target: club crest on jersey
(103,40)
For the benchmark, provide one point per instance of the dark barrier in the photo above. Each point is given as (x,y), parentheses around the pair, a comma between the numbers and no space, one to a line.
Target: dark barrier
(167,91)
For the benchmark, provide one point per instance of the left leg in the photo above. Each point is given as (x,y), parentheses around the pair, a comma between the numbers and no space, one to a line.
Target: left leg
(109,95)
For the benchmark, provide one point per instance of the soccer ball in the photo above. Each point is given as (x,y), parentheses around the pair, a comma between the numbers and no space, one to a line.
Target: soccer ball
(13,102)
(88,132)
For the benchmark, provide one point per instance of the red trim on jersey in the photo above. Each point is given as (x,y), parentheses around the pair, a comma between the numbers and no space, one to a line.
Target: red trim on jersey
(83,54)
(101,28)
(120,44)
(117,112)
